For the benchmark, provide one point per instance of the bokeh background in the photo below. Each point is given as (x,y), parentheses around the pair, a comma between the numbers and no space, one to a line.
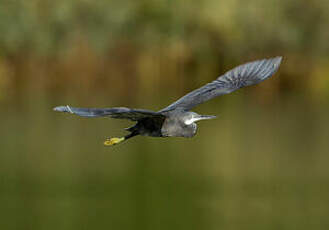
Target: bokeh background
(263,164)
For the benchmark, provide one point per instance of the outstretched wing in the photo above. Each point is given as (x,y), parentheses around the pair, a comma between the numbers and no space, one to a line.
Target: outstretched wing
(116,112)
(244,75)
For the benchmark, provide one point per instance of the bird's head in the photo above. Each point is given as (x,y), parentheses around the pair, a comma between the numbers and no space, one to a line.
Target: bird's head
(192,117)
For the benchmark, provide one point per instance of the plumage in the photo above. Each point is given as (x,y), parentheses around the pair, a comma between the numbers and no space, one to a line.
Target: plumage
(244,75)
(177,119)
(115,112)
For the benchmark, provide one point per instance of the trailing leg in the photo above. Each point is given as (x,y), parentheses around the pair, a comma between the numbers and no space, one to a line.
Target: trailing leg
(117,140)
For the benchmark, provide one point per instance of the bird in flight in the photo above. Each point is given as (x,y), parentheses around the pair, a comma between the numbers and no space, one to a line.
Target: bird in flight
(177,119)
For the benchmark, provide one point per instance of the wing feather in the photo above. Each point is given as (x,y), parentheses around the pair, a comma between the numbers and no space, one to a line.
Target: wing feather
(116,112)
(244,75)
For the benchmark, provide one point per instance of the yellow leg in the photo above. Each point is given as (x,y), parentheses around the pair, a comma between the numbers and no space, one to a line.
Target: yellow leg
(113,141)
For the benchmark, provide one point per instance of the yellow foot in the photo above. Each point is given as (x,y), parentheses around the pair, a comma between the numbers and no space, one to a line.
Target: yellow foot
(113,141)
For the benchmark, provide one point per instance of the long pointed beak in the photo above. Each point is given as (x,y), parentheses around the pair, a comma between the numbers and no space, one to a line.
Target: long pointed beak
(199,118)
(206,117)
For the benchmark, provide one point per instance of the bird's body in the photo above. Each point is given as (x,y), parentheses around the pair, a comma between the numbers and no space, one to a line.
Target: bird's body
(177,120)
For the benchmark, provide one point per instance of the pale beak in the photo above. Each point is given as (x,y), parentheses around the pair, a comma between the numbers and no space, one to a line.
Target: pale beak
(206,117)
(199,118)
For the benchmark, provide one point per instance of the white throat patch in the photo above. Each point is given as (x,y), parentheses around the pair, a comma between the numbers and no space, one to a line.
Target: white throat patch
(192,120)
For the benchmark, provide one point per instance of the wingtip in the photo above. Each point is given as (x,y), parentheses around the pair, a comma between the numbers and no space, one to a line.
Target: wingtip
(277,60)
(63,109)
(58,108)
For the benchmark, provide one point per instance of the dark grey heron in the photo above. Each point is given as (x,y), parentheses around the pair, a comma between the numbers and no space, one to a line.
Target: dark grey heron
(177,120)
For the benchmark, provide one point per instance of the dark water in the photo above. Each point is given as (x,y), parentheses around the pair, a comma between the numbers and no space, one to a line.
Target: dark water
(258,166)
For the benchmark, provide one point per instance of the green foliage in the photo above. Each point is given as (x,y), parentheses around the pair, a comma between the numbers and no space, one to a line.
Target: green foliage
(49,26)
(65,46)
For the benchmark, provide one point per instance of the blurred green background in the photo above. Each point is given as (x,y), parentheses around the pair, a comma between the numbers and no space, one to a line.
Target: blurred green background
(263,164)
